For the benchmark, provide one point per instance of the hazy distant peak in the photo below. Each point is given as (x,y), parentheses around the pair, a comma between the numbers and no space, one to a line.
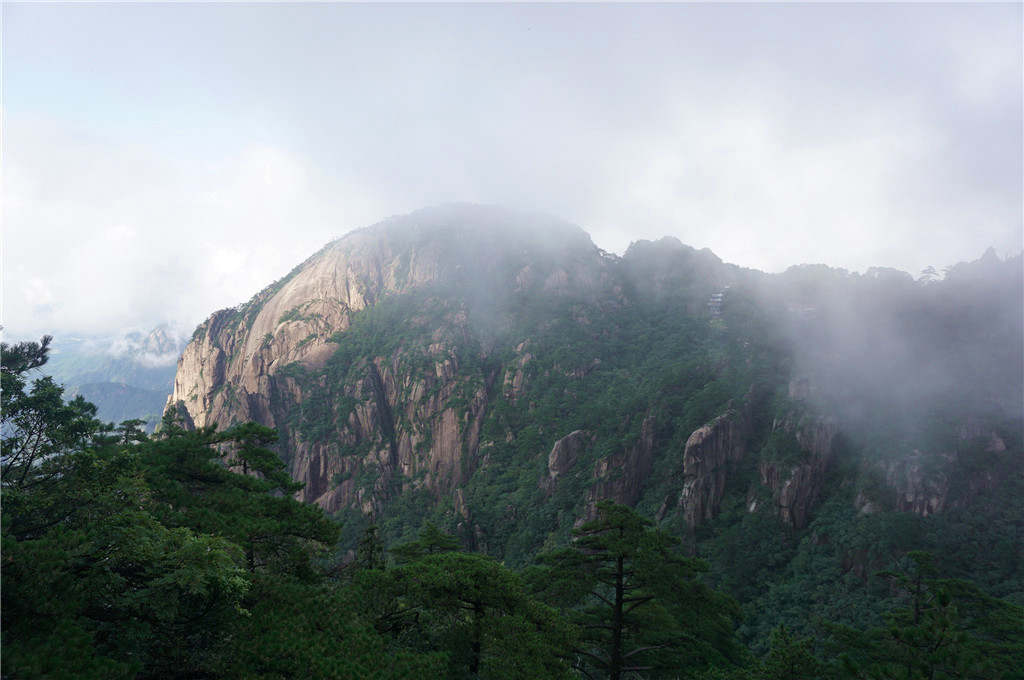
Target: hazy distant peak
(482,223)
(989,264)
(160,347)
(663,243)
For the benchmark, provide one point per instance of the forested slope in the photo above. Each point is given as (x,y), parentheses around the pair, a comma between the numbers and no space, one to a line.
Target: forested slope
(476,394)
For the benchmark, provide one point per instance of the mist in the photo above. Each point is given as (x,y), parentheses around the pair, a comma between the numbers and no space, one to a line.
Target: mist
(941,352)
(162,161)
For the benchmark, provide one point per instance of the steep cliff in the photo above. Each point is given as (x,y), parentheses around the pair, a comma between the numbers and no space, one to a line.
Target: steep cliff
(496,372)
(563,457)
(796,480)
(620,476)
(408,411)
(706,462)
(927,481)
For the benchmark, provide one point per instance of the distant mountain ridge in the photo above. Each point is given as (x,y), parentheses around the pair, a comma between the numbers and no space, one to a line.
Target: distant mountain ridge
(128,375)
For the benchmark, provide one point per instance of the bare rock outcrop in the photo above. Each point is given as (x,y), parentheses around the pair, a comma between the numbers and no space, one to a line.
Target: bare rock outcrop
(795,486)
(921,486)
(564,454)
(394,424)
(221,374)
(620,476)
(927,482)
(705,467)
(707,456)
(514,384)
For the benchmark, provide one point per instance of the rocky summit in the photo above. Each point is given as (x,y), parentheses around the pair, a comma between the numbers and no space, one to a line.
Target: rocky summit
(498,373)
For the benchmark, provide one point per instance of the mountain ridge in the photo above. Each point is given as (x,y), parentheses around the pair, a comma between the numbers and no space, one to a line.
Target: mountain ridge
(424,367)
(128,375)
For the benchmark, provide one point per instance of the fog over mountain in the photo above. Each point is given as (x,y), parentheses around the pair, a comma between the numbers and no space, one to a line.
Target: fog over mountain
(866,338)
(491,358)
(127,375)
(732,386)
(163,160)
(482,388)
(882,341)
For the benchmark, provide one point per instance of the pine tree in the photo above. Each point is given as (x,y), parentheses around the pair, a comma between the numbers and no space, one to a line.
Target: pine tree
(636,601)
(949,629)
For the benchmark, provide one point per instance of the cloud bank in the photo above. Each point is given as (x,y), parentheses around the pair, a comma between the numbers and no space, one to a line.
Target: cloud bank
(162,161)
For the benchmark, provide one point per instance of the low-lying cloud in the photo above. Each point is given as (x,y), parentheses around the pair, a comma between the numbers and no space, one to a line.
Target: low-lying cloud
(163,161)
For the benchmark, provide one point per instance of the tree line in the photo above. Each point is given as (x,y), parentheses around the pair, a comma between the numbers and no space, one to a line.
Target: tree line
(184,555)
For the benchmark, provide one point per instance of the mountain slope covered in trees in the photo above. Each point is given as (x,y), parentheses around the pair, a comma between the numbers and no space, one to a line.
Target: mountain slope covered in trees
(657,465)
(497,373)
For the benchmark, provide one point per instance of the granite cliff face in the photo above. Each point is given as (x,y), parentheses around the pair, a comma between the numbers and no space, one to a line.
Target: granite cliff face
(293,320)
(794,464)
(563,457)
(497,372)
(391,420)
(926,482)
(620,476)
(709,453)
(796,485)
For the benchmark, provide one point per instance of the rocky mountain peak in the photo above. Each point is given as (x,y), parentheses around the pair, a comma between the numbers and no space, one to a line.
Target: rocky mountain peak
(498,366)
(480,255)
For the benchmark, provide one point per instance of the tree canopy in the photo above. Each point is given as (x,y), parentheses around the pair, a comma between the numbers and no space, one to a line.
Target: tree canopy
(637,601)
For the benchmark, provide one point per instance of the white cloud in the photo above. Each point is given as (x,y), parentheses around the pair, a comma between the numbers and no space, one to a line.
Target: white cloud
(163,162)
(119,235)
(37,292)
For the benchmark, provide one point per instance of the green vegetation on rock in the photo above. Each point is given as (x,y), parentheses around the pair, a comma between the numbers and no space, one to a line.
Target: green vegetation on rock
(490,407)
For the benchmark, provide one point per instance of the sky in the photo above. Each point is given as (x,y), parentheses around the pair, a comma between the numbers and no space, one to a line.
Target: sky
(161,161)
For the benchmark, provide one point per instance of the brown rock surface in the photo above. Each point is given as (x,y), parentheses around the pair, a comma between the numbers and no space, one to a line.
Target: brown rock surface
(706,458)
(795,487)
(405,427)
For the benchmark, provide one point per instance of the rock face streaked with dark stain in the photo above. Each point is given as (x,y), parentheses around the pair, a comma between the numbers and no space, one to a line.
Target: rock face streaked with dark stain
(416,418)
(403,425)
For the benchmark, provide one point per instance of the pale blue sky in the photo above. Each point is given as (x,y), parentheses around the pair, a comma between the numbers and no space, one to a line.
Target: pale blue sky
(164,160)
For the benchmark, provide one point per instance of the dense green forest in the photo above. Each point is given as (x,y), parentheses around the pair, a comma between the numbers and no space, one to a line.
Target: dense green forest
(183,555)
(522,457)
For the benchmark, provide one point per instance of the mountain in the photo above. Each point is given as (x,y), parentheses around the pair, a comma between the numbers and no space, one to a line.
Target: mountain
(383,355)
(496,372)
(127,376)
